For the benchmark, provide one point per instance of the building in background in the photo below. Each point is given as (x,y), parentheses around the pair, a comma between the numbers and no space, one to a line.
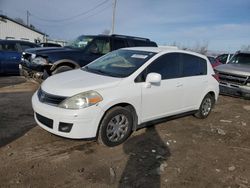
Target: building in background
(11,29)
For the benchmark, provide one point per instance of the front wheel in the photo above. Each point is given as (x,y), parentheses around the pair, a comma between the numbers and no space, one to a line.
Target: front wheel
(115,127)
(205,107)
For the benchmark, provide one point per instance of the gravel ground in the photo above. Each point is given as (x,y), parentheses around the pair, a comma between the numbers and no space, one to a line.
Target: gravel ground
(185,152)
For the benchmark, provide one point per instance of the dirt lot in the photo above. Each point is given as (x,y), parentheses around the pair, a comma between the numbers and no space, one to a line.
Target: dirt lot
(184,152)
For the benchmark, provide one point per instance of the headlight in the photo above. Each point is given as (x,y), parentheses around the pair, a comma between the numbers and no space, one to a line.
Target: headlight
(81,100)
(40,61)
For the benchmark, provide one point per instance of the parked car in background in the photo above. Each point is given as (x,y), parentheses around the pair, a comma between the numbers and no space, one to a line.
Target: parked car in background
(123,91)
(49,44)
(10,55)
(214,62)
(235,76)
(224,58)
(44,62)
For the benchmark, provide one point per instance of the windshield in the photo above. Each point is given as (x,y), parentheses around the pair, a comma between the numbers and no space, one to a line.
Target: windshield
(211,59)
(80,42)
(240,59)
(119,63)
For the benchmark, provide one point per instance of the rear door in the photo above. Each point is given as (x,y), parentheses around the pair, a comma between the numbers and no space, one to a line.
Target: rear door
(194,72)
(164,99)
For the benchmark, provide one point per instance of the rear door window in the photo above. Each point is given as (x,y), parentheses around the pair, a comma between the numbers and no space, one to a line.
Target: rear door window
(193,65)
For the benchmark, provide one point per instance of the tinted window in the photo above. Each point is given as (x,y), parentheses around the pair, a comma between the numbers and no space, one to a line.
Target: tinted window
(8,47)
(222,58)
(193,65)
(119,43)
(99,46)
(211,59)
(141,43)
(25,46)
(167,65)
(241,59)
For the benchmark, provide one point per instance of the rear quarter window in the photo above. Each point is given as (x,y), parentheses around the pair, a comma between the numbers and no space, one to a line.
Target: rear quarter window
(193,65)
(119,43)
(140,43)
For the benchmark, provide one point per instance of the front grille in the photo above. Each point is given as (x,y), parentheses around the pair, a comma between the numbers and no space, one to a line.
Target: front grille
(232,78)
(45,121)
(49,98)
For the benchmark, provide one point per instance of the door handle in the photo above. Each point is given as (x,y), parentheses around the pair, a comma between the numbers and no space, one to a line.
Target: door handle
(179,85)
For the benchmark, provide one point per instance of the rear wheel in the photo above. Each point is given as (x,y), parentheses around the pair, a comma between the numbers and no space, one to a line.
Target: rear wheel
(61,69)
(205,107)
(115,127)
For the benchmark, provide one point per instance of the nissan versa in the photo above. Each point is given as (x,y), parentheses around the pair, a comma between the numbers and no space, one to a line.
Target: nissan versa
(123,91)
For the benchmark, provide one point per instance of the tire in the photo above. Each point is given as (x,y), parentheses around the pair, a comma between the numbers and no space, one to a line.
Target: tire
(115,127)
(61,69)
(205,107)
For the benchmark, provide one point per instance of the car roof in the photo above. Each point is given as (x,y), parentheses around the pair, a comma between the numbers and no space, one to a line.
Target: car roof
(15,41)
(164,50)
(119,36)
(243,52)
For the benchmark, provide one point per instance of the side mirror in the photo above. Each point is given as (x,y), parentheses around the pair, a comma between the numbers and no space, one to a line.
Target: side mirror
(153,78)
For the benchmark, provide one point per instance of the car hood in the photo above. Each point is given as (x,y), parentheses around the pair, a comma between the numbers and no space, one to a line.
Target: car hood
(238,69)
(76,81)
(49,50)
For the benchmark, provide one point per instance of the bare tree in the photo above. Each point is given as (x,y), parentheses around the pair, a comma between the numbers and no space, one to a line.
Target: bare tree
(201,48)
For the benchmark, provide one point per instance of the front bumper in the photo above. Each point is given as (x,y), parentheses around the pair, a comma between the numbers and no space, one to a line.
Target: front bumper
(235,90)
(83,122)
(32,70)
(29,73)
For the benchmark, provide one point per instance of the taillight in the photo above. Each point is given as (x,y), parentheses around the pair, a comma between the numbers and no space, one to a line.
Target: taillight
(216,76)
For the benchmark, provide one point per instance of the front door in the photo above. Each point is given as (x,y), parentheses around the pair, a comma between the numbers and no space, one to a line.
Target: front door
(166,98)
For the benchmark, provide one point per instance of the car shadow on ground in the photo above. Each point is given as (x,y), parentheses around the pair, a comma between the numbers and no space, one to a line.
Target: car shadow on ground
(8,80)
(147,159)
(16,117)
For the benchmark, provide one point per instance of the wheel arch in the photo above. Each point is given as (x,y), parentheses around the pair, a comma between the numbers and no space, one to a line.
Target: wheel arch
(130,107)
(212,93)
(64,62)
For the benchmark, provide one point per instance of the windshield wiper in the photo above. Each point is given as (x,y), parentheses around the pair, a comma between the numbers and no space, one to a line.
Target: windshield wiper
(86,68)
(98,71)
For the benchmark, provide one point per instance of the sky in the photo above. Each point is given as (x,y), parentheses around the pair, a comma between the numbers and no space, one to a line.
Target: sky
(223,25)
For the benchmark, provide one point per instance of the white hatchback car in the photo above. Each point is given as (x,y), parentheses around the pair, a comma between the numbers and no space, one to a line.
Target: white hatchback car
(123,91)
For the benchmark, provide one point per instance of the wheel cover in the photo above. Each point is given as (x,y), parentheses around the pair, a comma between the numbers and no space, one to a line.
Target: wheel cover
(206,106)
(117,128)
